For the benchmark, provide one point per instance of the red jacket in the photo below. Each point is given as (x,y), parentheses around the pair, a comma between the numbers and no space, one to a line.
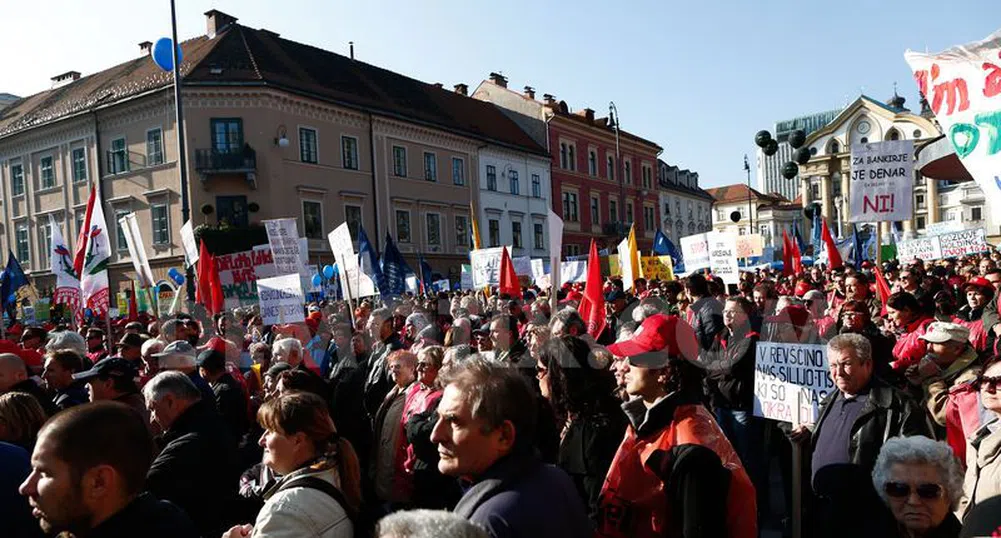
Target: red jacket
(910,347)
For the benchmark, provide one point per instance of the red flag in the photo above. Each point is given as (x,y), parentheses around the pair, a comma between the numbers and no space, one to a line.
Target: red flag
(133,306)
(206,266)
(833,254)
(81,238)
(787,268)
(797,257)
(883,287)
(592,305)
(215,284)
(508,278)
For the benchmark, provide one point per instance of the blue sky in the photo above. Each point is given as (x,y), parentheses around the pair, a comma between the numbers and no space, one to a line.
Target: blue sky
(699,78)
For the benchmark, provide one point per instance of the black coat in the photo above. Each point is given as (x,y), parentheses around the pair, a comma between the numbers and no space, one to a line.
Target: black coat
(432,489)
(75,394)
(232,404)
(196,469)
(148,517)
(729,366)
(587,450)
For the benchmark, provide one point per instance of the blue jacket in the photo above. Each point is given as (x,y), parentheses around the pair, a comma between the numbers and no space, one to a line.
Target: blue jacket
(521,497)
(15,514)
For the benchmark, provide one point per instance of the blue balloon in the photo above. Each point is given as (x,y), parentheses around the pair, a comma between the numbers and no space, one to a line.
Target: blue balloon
(176,276)
(328,271)
(317,279)
(162,55)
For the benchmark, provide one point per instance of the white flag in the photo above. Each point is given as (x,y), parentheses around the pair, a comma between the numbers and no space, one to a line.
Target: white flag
(61,264)
(137,250)
(94,277)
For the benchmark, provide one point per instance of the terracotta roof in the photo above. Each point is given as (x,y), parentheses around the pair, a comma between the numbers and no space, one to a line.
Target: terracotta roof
(736,193)
(244,56)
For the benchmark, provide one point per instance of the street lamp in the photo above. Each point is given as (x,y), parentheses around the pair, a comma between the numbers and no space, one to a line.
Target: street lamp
(613,119)
(750,214)
(182,165)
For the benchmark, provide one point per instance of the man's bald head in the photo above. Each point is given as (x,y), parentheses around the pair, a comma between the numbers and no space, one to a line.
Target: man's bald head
(12,371)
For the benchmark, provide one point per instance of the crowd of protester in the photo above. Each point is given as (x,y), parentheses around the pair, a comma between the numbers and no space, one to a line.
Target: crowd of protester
(468,414)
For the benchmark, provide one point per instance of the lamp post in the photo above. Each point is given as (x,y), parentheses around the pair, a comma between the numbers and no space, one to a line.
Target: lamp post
(750,214)
(613,117)
(182,161)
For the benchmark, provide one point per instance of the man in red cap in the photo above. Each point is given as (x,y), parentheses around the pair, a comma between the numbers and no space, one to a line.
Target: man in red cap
(675,473)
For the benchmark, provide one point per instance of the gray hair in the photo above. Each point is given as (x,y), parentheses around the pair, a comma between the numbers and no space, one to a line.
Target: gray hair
(919,450)
(462,330)
(151,346)
(495,393)
(382,314)
(787,300)
(645,310)
(459,353)
(427,524)
(856,342)
(569,317)
(168,330)
(471,304)
(281,349)
(70,340)
(173,382)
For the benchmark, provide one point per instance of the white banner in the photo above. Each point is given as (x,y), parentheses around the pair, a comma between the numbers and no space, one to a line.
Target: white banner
(791,381)
(284,240)
(522,265)
(723,256)
(281,299)
(963,87)
(239,273)
(882,181)
(695,251)
(555,224)
(190,246)
(466,277)
(538,268)
(350,272)
(575,271)
(948,245)
(137,250)
(749,246)
(625,266)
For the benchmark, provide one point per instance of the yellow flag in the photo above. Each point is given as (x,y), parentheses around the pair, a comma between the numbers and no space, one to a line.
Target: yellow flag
(476,227)
(634,254)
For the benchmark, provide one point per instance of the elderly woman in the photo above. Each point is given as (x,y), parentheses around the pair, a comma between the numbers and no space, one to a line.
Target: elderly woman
(420,413)
(320,489)
(921,483)
(983,454)
(392,484)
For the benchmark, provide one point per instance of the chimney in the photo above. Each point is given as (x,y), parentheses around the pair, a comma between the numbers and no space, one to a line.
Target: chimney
(461,89)
(65,78)
(499,79)
(589,114)
(549,99)
(351,48)
(530,92)
(438,85)
(217,21)
(145,46)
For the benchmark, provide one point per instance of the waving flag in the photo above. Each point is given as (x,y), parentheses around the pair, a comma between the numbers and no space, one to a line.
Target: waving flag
(368,260)
(800,243)
(97,254)
(508,284)
(11,280)
(61,264)
(816,233)
(660,241)
(833,254)
(592,305)
(394,269)
(787,268)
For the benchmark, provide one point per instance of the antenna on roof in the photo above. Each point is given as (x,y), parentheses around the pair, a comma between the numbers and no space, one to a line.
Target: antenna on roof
(351,48)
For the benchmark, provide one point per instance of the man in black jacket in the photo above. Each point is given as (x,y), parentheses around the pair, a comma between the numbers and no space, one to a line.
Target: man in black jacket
(229,397)
(94,459)
(58,376)
(855,421)
(380,329)
(196,467)
(705,314)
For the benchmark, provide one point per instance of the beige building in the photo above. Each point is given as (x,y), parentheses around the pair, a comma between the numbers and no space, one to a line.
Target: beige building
(767,214)
(274,128)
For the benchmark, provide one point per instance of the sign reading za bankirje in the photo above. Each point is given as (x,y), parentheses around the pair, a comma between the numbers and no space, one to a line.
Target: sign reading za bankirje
(882,181)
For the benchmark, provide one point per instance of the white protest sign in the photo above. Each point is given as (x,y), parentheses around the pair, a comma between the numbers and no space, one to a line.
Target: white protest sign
(305,270)
(963,87)
(284,240)
(947,245)
(749,246)
(522,265)
(882,181)
(441,285)
(783,370)
(538,268)
(485,264)
(239,273)
(190,246)
(361,285)
(723,256)
(937,228)
(466,277)
(625,265)
(412,284)
(695,251)
(574,271)
(281,299)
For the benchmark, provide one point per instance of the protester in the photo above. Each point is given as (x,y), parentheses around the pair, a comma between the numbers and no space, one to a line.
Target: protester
(96,349)
(14,378)
(229,397)
(950,361)
(380,329)
(21,416)
(920,482)
(130,348)
(507,346)
(392,485)
(59,379)
(910,323)
(855,320)
(88,470)
(113,378)
(15,512)
(983,465)
(705,314)
(485,434)
(427,524)
(431,488)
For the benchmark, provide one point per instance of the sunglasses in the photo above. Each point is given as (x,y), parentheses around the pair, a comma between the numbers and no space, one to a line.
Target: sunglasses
(900,490)
(990,384)
(541,371)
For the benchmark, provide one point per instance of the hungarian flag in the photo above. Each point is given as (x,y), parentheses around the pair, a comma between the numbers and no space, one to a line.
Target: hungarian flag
(508,278)
(592,305)
(92,260)
(833,254)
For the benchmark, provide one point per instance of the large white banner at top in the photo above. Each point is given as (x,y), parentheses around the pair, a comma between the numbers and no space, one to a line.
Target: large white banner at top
(284,240)
(882,181)
(695,250)
(963,86)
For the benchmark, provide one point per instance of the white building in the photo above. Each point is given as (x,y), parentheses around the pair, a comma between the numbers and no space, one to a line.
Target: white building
(769,215)
(685,207)
(514,200)
(769,169)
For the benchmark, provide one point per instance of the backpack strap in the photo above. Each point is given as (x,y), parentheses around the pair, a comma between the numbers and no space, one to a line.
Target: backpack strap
(313,482)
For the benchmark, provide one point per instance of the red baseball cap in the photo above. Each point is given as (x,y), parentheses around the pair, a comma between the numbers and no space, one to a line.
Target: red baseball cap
(659,337)
(802,287)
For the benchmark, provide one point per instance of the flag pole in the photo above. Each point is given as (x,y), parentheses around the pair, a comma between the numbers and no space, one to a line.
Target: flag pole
(879,244)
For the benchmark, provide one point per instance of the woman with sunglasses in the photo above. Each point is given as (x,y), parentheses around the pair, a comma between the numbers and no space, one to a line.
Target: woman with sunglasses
(921,482)
(983,453)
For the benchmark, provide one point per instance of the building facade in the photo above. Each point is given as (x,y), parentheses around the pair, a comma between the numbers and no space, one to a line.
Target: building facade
(514,193)
(685,208)
(765,214)
(603,178)
(769,168)
(273,128)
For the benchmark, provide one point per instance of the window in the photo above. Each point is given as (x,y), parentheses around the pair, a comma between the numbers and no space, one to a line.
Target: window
(648,218)
(399,161)
(433,223)
(79,158)
(921,223)
(628,166)
(539,240)
(493,232)
(307,145)
(516,234)
(976,213)
(570,206)
(402,226)
(512,176)
(430,167)
(491,177)
(629,213)
(352,216)
(123,246)
(815,191)
(46,172)
(536,186)
(592,162)
(613,211)
(119,157)
(46,245)
(461,231)
(573,158)
(349,152)
(227,135)
(594,211)
(741,231)
(611,167)
(154,147)
(312,219)
(233,210)
(79,223)
(647,177)
(458,171)
(16,179)
(919,200)
(161,228)
(23,250)
(894,135)
(835,147)
(571,250)
(563,156)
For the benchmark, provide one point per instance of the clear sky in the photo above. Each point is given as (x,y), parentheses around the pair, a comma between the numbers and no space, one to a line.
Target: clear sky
(699,77)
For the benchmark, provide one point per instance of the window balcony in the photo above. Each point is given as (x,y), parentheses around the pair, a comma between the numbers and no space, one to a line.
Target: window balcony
(615,229)
(210,162)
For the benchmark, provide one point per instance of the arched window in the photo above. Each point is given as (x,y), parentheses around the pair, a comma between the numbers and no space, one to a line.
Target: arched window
(834,148)
(893,135)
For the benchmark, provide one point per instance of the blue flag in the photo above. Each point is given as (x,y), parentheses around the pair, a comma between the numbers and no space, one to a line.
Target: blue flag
(368,260)
(799,237)
(857,248)
(394,269)
(425,276)
(815,233)
(660,244)
(11,280)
